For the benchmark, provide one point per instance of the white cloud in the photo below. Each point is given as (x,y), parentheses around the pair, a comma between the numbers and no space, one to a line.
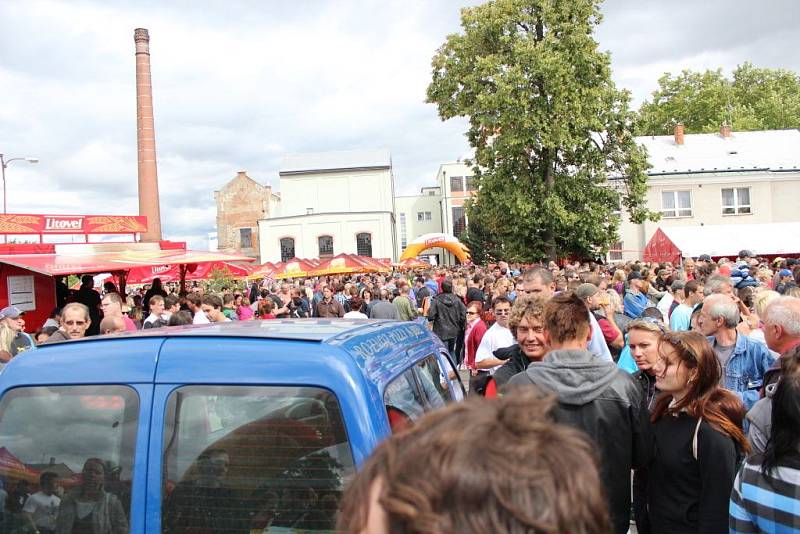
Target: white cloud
(239,84)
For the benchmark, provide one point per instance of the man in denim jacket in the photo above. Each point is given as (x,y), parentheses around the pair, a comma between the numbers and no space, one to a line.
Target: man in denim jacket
(744,361)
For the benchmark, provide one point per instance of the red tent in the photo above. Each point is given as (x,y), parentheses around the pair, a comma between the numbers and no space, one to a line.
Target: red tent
(266,270)
(344,264)
(12,467)
(294,268)
(171,273)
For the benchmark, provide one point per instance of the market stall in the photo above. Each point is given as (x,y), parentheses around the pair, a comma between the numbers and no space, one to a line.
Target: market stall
(671,243)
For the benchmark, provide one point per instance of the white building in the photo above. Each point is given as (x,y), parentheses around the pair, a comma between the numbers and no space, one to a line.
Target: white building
(332,203)
(716,179)
(417,215)
(457,184)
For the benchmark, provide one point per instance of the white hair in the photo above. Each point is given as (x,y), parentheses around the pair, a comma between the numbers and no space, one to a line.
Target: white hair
(721,306)
(784,311)
(715,283)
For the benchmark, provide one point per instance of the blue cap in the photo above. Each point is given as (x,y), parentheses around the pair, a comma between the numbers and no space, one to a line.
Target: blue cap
(784,272)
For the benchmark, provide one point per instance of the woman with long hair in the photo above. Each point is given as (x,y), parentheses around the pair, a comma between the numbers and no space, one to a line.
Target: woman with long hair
(697,428)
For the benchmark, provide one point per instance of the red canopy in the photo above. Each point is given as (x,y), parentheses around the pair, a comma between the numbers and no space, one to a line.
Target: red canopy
(170,273)
(344,264)
(266,270)
(12,467)
(660,248)
(107,262)
(294,268)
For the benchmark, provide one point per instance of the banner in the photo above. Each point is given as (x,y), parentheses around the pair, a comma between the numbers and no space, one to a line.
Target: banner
(17,223)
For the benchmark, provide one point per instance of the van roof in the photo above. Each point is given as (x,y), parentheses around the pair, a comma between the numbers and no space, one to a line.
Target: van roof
(370,345)
(319,330)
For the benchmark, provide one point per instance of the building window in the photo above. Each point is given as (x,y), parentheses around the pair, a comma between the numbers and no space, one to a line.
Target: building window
(325,243)
(403,234)
(364,244)
(287,248)
(736,201)
(427,216)
(245,237)
(431,193)
(459,221)
(423,216)
(615,252)
(676,204)
(456,183)
(471,183)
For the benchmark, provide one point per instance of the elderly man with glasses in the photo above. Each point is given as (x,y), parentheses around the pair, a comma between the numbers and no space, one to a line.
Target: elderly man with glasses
(74,323)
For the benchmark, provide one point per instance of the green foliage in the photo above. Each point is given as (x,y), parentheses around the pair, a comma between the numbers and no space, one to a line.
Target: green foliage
(547,124)
(219,279)
(483,246)
(752,99)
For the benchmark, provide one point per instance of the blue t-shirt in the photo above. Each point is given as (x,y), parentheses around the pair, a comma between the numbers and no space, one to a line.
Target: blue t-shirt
(681,319)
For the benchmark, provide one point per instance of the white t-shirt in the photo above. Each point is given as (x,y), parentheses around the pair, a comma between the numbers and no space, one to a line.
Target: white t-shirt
(354,315)
(497,337)
(200,318)
(43,508)
(664,305)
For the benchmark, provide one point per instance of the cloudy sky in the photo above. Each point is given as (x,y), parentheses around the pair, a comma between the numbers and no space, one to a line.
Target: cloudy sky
(239,84)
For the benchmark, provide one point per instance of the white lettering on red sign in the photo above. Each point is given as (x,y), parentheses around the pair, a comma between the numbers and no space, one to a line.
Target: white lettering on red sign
(63,224)
(433,240)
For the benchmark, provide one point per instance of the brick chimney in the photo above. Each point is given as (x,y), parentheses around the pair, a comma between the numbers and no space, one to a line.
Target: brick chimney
(725,130)
(679,133)
(146,139)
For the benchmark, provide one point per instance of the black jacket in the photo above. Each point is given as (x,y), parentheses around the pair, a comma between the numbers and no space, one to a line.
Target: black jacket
(606,403)
(448,315)
(516,362)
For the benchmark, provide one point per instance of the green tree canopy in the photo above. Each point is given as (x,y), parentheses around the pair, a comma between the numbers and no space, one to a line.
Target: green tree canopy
(547,124)
(752,99)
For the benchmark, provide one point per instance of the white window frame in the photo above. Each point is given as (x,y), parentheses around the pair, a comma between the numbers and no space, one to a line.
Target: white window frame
(676,210)
(737,206)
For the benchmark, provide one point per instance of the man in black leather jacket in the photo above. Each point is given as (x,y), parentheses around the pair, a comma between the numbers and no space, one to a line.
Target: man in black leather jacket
(593,396)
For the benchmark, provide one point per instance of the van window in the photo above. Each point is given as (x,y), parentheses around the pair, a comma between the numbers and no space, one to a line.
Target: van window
(68,441)
(244,459)
(403,400)
(434,382)
(418,389)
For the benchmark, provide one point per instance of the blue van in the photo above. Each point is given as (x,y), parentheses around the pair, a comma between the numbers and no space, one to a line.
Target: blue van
(239,427)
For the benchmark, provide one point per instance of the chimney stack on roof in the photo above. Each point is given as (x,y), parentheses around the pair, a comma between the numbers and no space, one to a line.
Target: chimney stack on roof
(725,130)
(679,134)
(146,139)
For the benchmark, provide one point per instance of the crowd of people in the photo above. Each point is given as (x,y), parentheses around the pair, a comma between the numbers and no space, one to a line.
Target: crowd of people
(685,375)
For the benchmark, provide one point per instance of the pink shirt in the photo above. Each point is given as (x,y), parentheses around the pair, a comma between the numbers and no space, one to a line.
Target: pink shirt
(130,326)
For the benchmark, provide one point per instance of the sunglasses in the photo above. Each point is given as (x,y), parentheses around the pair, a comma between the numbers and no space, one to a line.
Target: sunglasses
(74,323)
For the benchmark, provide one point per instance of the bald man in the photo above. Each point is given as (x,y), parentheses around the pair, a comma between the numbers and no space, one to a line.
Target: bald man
(112,324)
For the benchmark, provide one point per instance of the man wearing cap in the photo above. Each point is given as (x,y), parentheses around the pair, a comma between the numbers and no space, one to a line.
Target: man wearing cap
(635,301)
(785,281)
(606,335)
(11,317)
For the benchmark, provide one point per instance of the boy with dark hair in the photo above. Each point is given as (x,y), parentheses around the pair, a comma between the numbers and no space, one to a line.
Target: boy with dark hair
(595,396)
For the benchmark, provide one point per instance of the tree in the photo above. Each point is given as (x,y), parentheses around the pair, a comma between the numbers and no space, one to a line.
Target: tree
(547,125)
(219,279)
(753,99)
(483,246)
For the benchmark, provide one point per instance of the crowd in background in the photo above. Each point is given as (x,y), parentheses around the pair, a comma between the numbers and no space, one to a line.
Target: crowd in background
(686,374)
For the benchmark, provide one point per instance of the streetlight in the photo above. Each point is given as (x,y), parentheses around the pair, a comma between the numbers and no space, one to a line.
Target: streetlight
(4,163)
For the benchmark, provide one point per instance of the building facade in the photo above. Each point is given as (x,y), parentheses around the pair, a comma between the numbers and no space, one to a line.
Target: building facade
(716,179)
(332,203)
(417,215)
(240,204)
(457,183)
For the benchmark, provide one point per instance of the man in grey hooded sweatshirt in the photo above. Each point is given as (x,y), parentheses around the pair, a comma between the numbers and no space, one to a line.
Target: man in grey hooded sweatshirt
(594,396)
